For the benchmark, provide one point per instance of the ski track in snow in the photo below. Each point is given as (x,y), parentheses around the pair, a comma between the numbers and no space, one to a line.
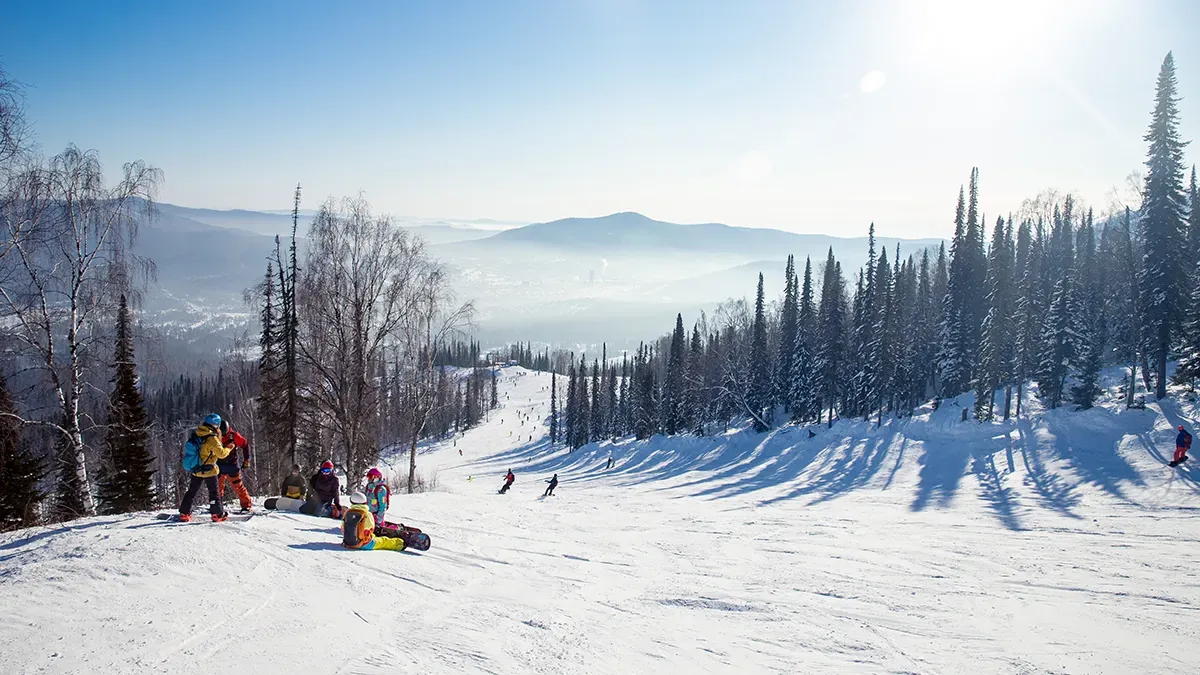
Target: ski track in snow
(1059,544)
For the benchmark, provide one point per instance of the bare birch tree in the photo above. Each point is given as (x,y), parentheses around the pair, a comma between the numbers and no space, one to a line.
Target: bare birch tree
(67,239)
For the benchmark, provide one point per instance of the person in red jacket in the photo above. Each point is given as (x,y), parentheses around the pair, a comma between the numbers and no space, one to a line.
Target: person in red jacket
(1183,442)
(233,463)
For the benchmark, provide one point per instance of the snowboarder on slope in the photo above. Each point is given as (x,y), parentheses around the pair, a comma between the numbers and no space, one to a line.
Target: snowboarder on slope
(293,486)
(208,436)
(323,495)
(1183,442)
(229,466)
(508,481)
(358,528)
(553,484)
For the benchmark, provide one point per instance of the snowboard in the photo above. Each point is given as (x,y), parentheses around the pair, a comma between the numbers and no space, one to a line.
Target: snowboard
(203,518)
(283,503)
(413,537)
(1174,463)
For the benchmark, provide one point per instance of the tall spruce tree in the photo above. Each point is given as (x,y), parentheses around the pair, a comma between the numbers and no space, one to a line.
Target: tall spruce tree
(760,368)
(831,336)
(553,407)
(673,386)
(127,482)
(572,416)
(788,325)
(596,419)
(20,471)
(995,359)
(804,397)
(1088,316)
(1163,278)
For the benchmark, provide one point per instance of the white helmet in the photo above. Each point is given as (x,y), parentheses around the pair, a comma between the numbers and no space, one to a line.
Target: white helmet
(358,498)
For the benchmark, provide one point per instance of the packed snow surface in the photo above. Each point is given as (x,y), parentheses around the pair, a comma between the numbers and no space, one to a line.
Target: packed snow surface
(1057,544)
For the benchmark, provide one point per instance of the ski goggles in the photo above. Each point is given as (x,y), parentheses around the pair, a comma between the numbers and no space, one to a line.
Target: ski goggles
(326,470)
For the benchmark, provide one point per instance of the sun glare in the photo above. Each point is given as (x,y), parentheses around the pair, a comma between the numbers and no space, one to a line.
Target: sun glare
(984,35)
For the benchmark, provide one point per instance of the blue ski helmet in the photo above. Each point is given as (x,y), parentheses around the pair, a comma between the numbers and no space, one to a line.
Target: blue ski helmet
(213,420)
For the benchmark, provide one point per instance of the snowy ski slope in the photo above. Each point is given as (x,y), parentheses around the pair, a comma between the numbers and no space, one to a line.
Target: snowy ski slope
(1056,545)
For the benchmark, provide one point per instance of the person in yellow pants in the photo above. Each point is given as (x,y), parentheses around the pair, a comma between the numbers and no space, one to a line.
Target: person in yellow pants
(358,528)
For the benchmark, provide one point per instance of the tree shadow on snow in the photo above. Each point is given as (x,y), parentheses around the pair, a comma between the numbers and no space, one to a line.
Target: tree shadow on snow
(859,459)
(1091,446)
(1052,488)
(942,469)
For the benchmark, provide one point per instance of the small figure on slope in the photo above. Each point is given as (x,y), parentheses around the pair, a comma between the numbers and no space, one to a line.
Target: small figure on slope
(230,467)
(358,528)
(200,456)
(508,481)
(324,493)
(293,486)
(1183,442)
(553,484)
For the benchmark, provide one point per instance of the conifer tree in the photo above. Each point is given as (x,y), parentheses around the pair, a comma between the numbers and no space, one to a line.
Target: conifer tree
(760,369)
(20,471)
(596,421)
(693,416)
(553,407)
(583,411)
(803,396)
(673,385)
(572,417)
(788,318)
(831,337)
(126,483)
(1163,278)
(995,359)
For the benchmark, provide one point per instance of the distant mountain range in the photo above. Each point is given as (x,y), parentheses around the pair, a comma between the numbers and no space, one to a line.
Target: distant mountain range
(606,274)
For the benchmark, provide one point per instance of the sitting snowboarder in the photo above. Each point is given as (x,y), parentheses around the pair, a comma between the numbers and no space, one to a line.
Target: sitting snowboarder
(324,495)
(1183,442)
(553,484)
(358,528)
(294,486)
(508,481)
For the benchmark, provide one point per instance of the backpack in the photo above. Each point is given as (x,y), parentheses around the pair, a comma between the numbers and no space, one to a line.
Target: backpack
(355,532)
(191,454)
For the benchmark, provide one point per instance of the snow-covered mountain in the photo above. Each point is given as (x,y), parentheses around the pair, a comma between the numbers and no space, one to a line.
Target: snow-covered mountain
(1059,543)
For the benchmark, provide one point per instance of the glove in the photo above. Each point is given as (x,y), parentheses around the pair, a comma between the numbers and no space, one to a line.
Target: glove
(246,464)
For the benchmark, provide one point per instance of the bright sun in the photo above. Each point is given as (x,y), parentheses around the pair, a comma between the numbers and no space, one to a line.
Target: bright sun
(984,35)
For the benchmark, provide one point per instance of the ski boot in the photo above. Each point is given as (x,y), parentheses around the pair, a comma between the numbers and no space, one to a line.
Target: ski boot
(220,517)
(185,517)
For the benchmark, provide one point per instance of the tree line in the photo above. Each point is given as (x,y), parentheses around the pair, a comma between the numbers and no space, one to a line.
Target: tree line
(1051,294)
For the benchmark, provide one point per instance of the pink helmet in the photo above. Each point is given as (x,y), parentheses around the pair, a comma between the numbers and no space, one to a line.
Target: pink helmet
(374,474)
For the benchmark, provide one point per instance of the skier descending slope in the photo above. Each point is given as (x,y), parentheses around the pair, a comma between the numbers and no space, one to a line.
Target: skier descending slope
(553,484)
(358,528)
(1183,442)
(200,456)
(508,481)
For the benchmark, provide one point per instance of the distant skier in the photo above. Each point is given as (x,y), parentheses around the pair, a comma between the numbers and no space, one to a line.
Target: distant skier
(610,462)
(553,484)
(508,481)
(323,496)
(358,528)
(293,485)
(203,449)
(230,467)
(1183,442)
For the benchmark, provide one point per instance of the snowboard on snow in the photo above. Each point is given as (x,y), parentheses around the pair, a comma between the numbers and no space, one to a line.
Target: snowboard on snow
(413,537)
(203,518)
(1174,463)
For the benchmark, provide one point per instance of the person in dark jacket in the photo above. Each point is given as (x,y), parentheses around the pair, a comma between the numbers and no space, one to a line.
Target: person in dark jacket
(231,465)
(323,496)
(508,481)
(294,486)
(1183,441)
(553,484)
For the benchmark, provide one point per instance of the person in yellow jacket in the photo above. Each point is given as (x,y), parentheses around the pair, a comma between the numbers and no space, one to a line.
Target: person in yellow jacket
(207,439)
(358,528)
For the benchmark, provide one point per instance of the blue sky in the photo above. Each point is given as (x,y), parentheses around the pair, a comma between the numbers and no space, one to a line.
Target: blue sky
(814,117)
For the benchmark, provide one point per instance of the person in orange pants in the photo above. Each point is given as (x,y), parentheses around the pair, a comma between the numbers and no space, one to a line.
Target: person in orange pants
(231,467)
